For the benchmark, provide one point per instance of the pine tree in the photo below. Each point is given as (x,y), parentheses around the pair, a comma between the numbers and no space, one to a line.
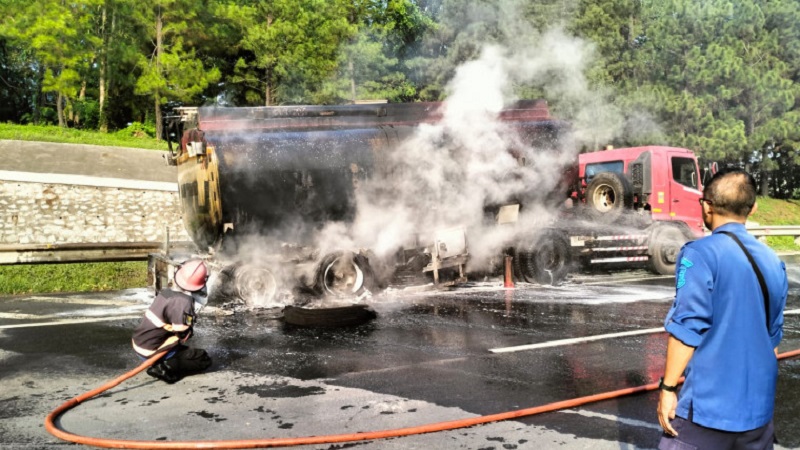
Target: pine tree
(720,84)
(289,48)
(170,70)
(59,35)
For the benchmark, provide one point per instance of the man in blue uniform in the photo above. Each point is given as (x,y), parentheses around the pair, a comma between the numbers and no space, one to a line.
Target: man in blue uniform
(724,328)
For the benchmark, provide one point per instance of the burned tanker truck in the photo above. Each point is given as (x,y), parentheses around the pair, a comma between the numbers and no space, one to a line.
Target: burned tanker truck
(257,184)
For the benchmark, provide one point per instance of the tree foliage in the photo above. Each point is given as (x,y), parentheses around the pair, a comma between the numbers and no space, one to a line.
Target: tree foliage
(717,76)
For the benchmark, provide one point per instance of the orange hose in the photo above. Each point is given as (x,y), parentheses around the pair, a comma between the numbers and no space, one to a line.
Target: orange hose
(328,439)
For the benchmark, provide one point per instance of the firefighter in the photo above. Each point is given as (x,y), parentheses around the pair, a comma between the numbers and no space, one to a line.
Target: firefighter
(168,323)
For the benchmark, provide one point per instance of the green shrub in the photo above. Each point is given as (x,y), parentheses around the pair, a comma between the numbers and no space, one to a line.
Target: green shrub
(89,112)
(138,130)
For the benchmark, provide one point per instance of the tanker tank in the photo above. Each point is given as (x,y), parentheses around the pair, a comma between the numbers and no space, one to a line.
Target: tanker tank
(282,172)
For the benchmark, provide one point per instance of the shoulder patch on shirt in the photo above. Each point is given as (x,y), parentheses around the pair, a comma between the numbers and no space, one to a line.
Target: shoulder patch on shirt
(685,265)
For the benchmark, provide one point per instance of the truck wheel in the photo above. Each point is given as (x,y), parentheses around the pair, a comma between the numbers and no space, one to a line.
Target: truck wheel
(547,260)
(344,274)
(608,195)
(253,285)
(665,244)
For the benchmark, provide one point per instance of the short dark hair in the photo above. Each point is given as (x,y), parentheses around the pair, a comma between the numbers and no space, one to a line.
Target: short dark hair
(732,191)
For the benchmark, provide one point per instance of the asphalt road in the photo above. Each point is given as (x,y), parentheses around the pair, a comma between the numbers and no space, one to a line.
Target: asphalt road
(425,358)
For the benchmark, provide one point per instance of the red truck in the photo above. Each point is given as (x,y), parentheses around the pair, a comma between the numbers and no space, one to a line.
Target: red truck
(244,171)
(627,206)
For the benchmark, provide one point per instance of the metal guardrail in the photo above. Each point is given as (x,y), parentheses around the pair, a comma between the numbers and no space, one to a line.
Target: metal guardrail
(774,230)
(761,232)
(90,252)
(138,251)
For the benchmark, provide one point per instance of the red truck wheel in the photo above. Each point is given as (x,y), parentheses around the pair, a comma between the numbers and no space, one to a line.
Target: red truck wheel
(665,244)
(547,260)
(608,195)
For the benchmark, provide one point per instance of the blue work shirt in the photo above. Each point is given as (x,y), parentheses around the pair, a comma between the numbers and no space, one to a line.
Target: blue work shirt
(719,310)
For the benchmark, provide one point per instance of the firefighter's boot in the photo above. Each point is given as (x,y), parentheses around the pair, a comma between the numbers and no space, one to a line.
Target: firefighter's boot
(162,371)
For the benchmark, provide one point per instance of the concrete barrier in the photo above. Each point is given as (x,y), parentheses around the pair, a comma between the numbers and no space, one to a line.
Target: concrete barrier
(66,193)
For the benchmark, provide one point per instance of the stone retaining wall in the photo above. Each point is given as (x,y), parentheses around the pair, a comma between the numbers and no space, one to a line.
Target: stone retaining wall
(55,213)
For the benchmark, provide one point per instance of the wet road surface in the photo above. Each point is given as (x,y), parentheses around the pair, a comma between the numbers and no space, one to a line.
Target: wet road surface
(427,357)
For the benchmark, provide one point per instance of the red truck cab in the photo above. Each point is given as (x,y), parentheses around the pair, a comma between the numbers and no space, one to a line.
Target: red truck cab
(663,182)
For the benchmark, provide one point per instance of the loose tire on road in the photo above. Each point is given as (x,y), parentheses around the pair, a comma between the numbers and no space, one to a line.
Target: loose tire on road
(344,316)
(546,260)
(665,243)
(608,195)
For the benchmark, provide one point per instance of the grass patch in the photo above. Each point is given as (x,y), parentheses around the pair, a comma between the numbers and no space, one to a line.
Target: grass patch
(73,277)
(778,212)
(782,243)
(136,136)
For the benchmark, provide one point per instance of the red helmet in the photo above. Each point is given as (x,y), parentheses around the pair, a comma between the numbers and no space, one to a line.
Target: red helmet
(192,275)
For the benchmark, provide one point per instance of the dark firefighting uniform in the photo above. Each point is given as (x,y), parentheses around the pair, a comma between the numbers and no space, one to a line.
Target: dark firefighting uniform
(168,322)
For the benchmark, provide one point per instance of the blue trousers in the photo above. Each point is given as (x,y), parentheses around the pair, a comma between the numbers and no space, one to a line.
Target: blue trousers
(695,437)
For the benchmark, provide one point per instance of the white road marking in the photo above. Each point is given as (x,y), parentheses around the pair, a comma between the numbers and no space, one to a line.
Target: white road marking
(96,312)
(72,300)
(70,322)
(613,418)
(626,280)
(597,337)
(562,342)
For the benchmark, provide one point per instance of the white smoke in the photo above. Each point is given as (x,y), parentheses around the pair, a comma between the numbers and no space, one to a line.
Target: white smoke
(447,173)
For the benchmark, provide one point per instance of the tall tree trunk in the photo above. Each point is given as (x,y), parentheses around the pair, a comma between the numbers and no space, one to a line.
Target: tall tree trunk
(81,98)
(267,91)
(764,172)
(352,70)
(750,129)
(101,99)
(62,122)
(37,105)
(157,94)
(268,81)
(158,116)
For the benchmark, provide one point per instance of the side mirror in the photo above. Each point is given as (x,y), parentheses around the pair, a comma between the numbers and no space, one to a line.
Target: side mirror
(709,171)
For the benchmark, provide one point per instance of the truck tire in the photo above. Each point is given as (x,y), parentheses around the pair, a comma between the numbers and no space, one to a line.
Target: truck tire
(547,260)
(665,243)
(253,285)
(343,316)
(608,195)
(344,274)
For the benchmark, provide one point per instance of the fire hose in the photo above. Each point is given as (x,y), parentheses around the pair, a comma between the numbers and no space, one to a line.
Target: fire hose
(53,429)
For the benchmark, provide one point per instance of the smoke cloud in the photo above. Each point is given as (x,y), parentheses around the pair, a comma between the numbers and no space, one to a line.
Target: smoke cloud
(454,173)
(447,173)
